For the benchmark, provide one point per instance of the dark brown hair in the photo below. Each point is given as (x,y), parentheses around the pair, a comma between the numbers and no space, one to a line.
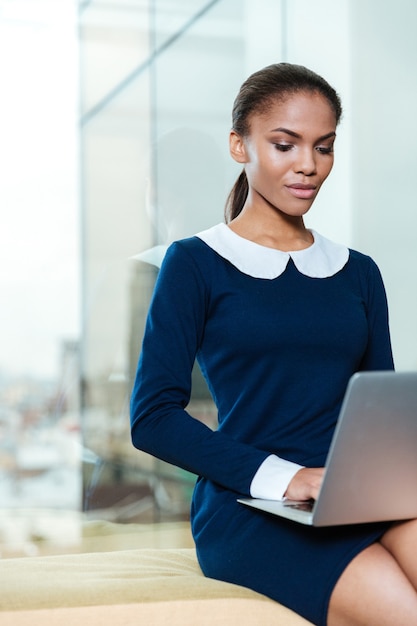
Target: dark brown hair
(257,94)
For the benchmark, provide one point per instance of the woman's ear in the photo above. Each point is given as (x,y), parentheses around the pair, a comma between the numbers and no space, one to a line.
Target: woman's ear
(237,147)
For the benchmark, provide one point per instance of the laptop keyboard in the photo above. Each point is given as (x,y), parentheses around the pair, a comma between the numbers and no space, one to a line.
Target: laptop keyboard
(305,505)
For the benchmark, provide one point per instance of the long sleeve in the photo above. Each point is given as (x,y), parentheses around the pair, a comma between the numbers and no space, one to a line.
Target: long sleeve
(378,355)
(160,425)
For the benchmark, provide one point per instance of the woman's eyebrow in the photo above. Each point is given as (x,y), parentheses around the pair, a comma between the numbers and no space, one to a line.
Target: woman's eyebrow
(292,133)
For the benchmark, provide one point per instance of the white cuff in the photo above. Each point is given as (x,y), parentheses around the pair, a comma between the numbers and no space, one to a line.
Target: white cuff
(272,478)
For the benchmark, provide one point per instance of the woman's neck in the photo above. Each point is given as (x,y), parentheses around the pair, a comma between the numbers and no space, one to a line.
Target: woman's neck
(274,230)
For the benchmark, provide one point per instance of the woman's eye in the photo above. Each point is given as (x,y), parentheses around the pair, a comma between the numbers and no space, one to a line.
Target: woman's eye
(283,147)
(325,150)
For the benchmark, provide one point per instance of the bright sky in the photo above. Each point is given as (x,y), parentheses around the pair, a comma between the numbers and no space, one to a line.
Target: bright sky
(39,196)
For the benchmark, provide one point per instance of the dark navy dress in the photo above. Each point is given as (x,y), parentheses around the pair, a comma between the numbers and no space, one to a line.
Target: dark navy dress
(277,336)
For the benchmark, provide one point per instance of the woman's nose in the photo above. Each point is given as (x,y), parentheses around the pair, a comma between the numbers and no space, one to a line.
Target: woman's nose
(305,162)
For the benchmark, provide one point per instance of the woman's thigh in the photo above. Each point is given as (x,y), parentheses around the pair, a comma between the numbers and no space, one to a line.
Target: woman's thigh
(401,542)
(373,590)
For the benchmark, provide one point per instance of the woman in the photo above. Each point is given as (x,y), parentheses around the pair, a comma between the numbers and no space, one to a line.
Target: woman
(279,318)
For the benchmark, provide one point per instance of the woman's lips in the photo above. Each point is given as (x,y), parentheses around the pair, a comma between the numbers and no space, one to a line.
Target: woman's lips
(305,192)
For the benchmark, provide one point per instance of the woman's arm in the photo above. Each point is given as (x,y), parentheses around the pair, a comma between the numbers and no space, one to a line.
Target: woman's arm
(378,354)
(160,424)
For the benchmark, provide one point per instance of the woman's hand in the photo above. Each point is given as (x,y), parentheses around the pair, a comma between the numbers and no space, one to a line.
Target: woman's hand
(305,484)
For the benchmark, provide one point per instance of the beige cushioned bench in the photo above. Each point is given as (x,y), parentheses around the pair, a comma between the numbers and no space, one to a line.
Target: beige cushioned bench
(128,588)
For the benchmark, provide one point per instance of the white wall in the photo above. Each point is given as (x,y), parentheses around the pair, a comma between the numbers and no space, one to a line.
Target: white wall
(384,157)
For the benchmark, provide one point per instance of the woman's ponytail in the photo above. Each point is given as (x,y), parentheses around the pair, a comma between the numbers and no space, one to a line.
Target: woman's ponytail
(236,198)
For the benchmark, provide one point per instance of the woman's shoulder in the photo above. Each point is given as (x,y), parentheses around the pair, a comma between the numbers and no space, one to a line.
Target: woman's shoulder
(192,248)
(363,268)
(362,260)
(189,257)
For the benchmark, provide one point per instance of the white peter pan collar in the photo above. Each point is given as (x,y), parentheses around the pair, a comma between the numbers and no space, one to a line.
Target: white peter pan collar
(322,259)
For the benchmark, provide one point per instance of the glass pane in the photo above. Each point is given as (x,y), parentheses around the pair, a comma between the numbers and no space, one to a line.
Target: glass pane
(172,19)
(114,41)
(116,226)
(143,187)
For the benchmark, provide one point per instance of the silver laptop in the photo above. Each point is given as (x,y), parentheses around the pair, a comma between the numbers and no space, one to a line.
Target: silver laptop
(371,468)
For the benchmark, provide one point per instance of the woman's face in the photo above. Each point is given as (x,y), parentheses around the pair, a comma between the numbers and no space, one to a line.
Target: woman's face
(288,153)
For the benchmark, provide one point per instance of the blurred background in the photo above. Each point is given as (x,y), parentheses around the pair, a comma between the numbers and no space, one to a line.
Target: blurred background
(114,121)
